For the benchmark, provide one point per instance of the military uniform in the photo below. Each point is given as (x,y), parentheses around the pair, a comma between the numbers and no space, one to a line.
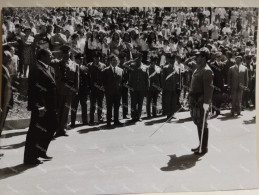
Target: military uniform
(82,96)
(67,79)
(97,89)
(201,91)
(154,76)
(138,83)
(170,82)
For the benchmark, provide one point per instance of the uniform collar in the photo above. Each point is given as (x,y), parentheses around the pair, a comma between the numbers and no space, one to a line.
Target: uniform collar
(42,63)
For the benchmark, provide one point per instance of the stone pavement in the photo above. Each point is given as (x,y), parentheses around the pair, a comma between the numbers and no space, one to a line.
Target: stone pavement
(97,160)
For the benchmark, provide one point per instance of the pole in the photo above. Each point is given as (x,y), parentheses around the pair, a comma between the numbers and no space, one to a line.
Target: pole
(165,122)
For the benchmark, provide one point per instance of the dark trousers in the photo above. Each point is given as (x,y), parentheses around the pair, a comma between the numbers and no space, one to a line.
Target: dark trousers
(82,98)
(197,114)
(113,102)
(96,96)
(152,97)
(40,134)
(216,102)
(64,103)
(170,102)
(125,104)
(137,98)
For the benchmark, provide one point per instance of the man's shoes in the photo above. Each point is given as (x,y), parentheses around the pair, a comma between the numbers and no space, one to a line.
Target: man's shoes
(203,151)
(109,124)
(195,149)
(32,162)
(139,119)
(125,117)
(45,156)
(117,123)
(61,134)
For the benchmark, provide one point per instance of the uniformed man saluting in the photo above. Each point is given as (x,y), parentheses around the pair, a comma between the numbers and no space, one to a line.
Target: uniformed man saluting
(138,83)
(170,83)
(201,91)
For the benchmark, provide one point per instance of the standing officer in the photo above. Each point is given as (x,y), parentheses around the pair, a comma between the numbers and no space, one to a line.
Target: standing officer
(42,102)
(96,87)
(7,94)
(201,91)
(170,81)
(238,82)
(218,82)
(112,77)
(68,85)
(138,83)
(154,88)
(83,92)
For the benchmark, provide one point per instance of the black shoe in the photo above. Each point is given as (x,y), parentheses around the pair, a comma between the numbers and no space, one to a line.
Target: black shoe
(125,117)
(195,149)
(203,151)
(109,124)
(61,134)
(139,119)
(72,126)
(117,123)
(45,156)
(32,162)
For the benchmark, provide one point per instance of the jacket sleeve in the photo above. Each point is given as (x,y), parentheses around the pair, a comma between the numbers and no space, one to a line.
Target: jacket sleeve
(229,77)
(246,80)
(208,86)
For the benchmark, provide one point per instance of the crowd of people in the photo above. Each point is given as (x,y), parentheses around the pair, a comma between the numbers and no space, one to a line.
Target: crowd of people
(72,55)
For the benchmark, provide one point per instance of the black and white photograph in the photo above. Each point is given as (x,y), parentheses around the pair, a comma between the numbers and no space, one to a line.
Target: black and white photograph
(122,100)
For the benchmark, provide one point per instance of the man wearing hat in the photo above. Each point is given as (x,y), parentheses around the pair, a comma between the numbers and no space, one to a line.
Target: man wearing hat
(170,84)
(154,76)
(218,82)
(201,90)
(57,40)
(67,76)
(138,85)
(96,86)
(237,82)
(83,92)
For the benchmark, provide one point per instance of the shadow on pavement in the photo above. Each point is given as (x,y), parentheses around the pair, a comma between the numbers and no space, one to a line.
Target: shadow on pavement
(8,135)
(15,170)
(182,162)
(13,146)
(228,116)
(248,122)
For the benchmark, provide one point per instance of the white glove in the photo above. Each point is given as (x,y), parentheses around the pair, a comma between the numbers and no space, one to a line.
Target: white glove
(206,107)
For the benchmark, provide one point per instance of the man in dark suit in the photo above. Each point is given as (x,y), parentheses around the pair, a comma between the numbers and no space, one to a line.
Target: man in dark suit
(112,77)
(201,91)
(7,94)
(138,83)
(237,82)
(42,102)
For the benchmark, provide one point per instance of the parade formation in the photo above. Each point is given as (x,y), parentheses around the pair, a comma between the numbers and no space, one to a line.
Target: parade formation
(139,62)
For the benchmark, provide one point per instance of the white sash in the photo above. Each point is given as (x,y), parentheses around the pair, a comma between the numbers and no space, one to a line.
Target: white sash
(153,74)
(168,76)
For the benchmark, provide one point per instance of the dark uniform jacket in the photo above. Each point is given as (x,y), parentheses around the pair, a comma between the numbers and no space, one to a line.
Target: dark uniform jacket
(84,82)
(202,84)
(42,90)
(138,78)
(218,79)
(112,80)
(170,78)
(96,76)
(154,75)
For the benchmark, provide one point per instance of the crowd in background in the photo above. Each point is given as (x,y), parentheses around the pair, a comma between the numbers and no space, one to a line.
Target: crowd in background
(151,33)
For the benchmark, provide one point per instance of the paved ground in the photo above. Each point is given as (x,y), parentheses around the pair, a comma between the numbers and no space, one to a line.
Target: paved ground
(96,160)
